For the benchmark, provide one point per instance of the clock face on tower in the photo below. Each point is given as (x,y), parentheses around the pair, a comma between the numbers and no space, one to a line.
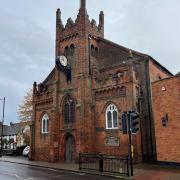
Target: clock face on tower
(62,65)
(62,60)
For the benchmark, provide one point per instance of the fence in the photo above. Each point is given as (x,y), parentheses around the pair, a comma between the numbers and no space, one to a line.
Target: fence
(104,163)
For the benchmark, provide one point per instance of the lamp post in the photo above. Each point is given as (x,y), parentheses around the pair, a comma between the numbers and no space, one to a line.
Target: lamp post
(2,126)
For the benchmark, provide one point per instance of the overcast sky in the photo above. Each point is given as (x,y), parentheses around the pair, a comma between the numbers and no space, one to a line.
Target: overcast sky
(27,37)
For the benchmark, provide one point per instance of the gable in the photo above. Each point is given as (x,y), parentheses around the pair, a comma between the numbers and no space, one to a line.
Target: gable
(112,54)
(50,78)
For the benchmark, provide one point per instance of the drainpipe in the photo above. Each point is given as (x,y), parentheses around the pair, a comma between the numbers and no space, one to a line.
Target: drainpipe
(148,84)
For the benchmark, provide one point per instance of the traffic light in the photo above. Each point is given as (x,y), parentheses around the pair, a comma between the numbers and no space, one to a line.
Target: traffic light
(124,123)
(134,121)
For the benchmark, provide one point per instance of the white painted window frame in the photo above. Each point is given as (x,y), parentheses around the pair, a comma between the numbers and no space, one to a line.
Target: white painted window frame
(111,110)
(45,124)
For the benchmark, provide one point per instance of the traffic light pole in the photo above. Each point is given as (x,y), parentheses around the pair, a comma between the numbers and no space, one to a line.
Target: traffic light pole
(130,119)
(130,144)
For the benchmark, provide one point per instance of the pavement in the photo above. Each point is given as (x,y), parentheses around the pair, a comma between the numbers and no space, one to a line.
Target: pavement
(156,172)
(69,167)
(24,160)
(14,171)
(141,171)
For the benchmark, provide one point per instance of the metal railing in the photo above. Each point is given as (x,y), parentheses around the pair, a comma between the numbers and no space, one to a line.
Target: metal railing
(104,163)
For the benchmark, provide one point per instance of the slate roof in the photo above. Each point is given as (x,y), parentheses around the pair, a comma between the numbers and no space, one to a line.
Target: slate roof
(13,129)
(117,54)
(51,75)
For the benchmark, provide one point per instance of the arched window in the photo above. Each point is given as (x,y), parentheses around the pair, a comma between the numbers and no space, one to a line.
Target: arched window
(66,51)
(96,49)
(92,47)
(72,49)
(45,124)
(111,117)
(69,110)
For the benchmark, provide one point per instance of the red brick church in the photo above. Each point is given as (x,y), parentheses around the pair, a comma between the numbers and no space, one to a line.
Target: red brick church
(78,107)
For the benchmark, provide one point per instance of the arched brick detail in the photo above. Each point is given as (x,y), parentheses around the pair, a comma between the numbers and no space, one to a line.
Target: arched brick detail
(63,144)
(107,104)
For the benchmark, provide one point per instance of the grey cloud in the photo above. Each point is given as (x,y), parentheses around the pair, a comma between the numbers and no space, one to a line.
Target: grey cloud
(27,37)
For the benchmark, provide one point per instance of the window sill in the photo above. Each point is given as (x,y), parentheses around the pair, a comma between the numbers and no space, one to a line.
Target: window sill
(69,126)
(114,129)
(44,133)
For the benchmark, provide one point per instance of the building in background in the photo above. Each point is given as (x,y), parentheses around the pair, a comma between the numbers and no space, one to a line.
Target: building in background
(166,108)
(78,107)
(10,135)
(15,135)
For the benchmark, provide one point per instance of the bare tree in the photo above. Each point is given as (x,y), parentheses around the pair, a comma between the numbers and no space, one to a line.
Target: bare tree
(25,108)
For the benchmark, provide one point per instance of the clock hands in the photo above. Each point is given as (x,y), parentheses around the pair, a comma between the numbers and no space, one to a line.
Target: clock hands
(62,64)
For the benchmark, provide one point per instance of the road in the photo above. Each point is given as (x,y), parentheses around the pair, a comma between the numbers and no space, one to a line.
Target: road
(13,171)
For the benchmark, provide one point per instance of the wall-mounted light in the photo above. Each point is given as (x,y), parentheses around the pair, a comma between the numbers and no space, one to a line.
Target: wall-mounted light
(164,120)
(163,88)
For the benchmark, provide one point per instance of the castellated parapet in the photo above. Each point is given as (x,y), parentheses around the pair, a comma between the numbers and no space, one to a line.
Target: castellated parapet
(81,26)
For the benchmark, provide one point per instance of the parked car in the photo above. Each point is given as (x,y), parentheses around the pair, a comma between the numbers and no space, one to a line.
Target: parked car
(26,151)
(13,152)
(10,152)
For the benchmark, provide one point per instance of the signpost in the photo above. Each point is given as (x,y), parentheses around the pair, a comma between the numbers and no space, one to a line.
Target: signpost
(2,126)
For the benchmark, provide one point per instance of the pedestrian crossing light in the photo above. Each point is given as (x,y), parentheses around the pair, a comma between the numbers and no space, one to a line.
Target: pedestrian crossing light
(134,120)
(124,122)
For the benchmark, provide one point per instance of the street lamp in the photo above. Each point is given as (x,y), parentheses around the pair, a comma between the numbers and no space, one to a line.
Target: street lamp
(2,126)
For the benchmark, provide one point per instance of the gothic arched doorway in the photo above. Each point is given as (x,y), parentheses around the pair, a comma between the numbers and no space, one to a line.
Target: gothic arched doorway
(70,149)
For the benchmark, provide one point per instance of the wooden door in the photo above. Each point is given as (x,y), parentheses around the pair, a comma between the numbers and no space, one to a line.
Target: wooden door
(69,155)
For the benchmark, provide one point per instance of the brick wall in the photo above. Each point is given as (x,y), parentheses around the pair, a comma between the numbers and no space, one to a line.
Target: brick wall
(156,73)
(166,104)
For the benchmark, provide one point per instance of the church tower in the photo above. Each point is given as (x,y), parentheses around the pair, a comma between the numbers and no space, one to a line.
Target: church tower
(74,80)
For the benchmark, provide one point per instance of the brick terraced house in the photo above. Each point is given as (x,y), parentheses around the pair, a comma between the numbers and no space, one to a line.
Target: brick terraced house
(78,107)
